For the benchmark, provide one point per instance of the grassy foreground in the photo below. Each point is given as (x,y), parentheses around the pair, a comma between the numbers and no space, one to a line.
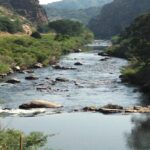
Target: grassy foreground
(25,51)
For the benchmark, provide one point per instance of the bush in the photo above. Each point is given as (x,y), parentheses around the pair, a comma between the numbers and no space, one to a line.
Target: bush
(7,25)
(66,27)
(36,35)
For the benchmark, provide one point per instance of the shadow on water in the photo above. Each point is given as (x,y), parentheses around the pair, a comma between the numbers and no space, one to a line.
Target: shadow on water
(138,138)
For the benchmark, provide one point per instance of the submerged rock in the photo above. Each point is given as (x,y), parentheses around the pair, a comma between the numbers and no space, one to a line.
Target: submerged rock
(62,67)
(102,54)
(13,81)
(59,79)
(32,77)
(78,64)
(40,104)
(77,50)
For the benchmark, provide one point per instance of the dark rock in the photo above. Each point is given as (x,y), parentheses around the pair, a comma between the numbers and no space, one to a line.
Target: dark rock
(77,50)
(40,104)
(32,77)
(59,79)
(104,59)
(91,108)
(78,64)
(102,54)
(13,81)
(29,71)
(62,67)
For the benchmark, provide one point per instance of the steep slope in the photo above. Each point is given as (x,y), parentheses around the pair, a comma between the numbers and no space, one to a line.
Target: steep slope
(134,43)
(82,15)
(27,8)
(81,10)
(77,4)
(117,15)
(11,22)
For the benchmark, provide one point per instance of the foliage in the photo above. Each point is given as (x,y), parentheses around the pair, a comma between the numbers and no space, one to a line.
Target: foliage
(134,44)
(10,140)
(11,26)
(67,27)
(25,51)
(36,35)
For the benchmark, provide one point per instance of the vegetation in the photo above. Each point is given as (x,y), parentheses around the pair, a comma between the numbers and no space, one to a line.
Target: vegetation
(67,27)
(25,51)
(10,21)
(134,44)
(36,35)
(10,140)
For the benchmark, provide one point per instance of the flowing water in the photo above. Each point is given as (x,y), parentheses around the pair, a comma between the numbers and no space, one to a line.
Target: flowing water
(97,83)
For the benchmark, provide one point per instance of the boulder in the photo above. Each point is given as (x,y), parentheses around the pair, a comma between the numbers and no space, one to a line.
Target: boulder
(38,65)
(78,64)
(29,71)
(102,54)
(13,81)
(40,104)
(77,50)
(62,67)
(32,77)
(16,68)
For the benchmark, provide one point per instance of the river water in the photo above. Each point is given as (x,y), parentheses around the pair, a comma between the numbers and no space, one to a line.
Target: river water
(97,83)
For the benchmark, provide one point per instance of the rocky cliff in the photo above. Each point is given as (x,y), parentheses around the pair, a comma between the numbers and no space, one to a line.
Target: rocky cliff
(116,16)
(27,8)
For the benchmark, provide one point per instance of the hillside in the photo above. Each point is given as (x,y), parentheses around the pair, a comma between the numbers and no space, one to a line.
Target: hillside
(134,44)
(30,9)
(11,22)
(82,15)
(81,10)
(77,4)
(114,17)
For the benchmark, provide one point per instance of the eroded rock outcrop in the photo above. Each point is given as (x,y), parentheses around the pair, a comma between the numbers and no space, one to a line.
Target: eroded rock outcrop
(27,8)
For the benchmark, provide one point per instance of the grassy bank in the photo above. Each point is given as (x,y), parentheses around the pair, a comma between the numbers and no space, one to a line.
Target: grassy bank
(25,51)
(134,44)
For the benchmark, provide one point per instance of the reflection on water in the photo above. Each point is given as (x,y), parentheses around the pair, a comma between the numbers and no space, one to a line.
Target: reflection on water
(139,138)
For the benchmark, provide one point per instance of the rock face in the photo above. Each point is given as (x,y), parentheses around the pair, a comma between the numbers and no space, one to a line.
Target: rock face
(27,8)
(116,16)
(39,104)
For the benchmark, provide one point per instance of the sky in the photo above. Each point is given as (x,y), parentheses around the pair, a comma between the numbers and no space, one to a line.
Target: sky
(48,1)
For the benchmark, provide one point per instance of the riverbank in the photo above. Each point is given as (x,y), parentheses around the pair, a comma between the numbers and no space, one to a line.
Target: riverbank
(25,51)
(133,44)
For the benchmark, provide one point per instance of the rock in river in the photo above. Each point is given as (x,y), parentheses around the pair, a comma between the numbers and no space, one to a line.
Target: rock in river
(38,65)
(59,79)
(13,81)
(32,77)
(78,64)
(40,104)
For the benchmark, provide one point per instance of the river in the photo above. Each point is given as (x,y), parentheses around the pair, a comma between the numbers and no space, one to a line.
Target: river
(96,82)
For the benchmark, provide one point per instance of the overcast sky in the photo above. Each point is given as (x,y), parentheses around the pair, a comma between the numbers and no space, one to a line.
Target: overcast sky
(47,1)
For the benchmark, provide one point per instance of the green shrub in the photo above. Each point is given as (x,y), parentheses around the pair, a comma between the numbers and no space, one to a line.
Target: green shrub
(10,140)
(67,27)
(11,26)
(36,35)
